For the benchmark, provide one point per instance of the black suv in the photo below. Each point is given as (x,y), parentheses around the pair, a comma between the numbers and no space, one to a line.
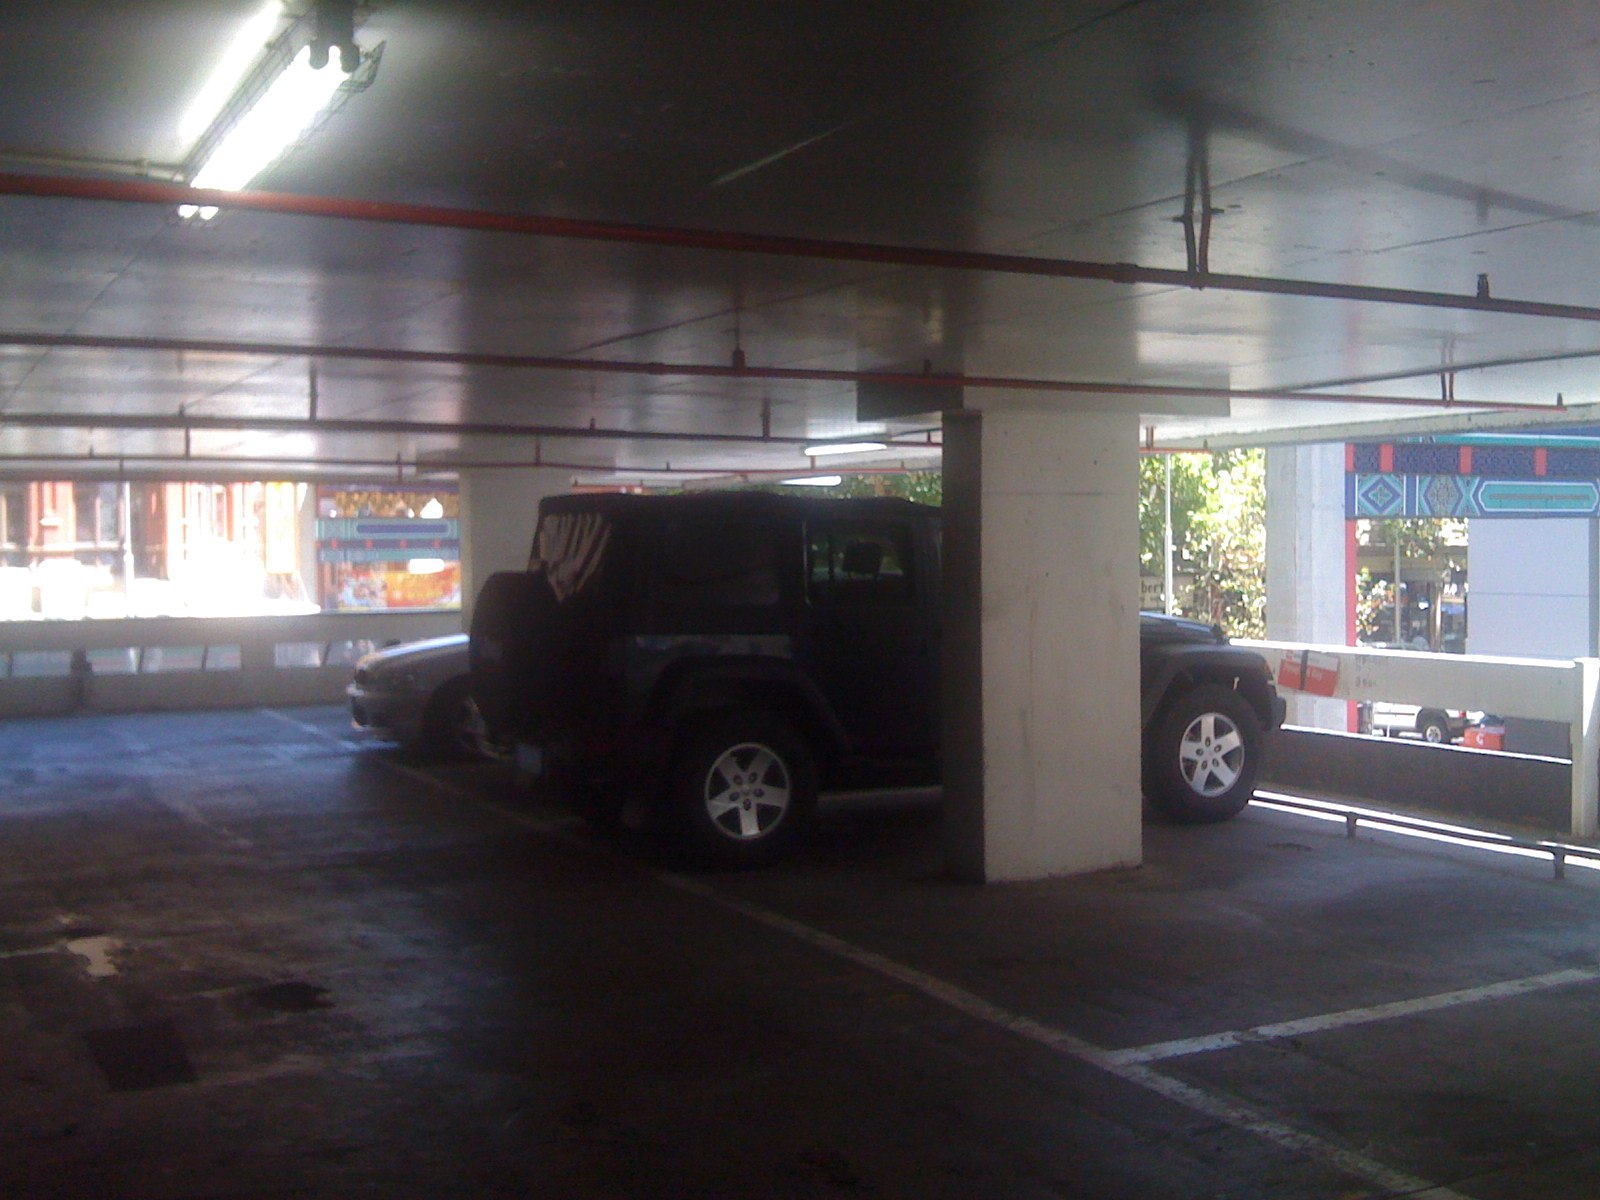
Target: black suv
(726,655)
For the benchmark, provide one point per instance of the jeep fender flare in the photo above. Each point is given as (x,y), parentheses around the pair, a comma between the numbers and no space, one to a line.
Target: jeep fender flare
(709,684)
(1170,670)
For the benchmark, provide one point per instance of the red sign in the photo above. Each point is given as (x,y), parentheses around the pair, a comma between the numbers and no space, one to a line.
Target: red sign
(1317,674)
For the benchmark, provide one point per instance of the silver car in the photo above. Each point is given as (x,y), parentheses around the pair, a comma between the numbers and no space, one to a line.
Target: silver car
(418,694)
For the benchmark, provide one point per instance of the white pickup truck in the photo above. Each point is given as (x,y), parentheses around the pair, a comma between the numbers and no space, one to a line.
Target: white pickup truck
(1430,724)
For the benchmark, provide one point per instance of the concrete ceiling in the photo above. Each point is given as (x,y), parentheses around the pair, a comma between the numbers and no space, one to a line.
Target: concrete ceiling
(532,203)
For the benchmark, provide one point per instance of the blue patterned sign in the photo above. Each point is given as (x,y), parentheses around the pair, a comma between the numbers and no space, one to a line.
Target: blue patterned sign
(1381,496)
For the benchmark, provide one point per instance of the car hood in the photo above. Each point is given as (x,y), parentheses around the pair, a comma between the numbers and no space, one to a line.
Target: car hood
(431,652)
(1162,629)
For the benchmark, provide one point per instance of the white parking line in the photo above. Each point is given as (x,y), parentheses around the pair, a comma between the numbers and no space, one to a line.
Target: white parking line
(315,731)
(96,953)
(1156,1051)
(1218,1107)
(1225,1109)
(554,826)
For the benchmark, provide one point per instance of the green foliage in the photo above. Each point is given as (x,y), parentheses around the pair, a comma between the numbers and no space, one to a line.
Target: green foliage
(925,487)
(1229,544)
(1219,519)
(1374,607)
(1429,547)
(1442,541)
(1191,489)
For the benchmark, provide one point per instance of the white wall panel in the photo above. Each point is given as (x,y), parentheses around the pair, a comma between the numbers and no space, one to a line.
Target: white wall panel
(1531,588)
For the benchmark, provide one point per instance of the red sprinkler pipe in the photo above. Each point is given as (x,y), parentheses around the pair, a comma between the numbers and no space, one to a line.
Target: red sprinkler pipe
(66,341)
(143,191)
(235,467)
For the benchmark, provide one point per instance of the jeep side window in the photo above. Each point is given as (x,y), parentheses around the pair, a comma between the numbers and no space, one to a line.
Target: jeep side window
(570,549)
(721,562)
(859,562)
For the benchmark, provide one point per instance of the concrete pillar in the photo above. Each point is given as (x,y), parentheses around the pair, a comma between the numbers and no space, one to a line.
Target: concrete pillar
(1308,572)
(499,508)
(1041,676)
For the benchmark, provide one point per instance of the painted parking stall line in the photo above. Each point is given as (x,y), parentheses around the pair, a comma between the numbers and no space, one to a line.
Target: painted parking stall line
(1157,1051)
(95,954)
(559,827)
(349,743)
(1224,1109)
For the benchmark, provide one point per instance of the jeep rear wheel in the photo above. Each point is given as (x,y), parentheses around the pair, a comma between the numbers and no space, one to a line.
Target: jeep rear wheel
(743,789)
(1201,764)
(452,726)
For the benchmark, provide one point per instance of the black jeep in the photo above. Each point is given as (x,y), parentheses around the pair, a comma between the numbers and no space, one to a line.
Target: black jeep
(726,655)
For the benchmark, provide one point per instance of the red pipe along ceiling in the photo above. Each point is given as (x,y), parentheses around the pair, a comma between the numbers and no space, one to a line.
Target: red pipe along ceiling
(228,467)
(736,370)
(142,191)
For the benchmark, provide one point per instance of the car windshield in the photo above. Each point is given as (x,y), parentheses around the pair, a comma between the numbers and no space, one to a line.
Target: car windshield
(569,548)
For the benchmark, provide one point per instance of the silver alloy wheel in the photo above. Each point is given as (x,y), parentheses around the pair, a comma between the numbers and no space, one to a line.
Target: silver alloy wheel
(747,791)
(1211,754)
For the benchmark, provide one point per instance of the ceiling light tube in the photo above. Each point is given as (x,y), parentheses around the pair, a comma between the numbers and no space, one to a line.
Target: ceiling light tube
(814,481)
(230,71)
(273,124)
(824,448)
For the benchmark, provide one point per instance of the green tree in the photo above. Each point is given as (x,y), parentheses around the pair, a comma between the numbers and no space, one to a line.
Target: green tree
(1218,533)
(925,487)
(1429,546)
(1191,490)
(1229,544)
(1218,518)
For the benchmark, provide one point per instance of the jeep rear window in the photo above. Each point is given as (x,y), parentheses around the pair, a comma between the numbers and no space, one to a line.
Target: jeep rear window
(724,561)
(859,562)
(570,548)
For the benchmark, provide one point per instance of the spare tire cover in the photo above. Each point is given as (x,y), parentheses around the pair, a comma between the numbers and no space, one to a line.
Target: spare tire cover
(509,655)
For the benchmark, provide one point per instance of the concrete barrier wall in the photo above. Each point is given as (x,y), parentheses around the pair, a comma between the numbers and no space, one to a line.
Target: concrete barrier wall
(299,659)
(1543,691)
(1504,790)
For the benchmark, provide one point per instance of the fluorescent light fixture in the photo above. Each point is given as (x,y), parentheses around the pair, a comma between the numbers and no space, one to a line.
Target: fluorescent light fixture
(823,448)
(276,121)
(815,481)
(230,71)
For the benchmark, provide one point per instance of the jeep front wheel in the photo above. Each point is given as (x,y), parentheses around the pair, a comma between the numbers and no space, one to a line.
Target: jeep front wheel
(743,790)
(1202,761)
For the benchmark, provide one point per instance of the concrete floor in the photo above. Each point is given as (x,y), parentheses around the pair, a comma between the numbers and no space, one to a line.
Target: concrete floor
(242,955)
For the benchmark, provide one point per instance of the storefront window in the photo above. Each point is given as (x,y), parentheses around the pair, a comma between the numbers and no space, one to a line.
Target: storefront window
(381,549)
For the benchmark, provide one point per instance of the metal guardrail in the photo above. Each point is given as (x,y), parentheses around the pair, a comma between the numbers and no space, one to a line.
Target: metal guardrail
(1562,690)
(1353,818)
